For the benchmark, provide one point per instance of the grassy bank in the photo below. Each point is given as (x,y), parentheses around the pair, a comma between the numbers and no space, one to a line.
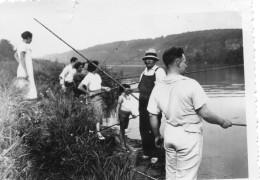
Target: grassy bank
(49,138)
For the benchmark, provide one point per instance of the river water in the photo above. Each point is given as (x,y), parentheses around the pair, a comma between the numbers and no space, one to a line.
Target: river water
(225,150)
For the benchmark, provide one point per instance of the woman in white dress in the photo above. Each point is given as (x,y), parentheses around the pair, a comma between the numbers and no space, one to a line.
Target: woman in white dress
(25,67)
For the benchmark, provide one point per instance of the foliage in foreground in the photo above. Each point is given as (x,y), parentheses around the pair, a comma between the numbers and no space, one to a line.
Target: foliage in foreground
(49,138)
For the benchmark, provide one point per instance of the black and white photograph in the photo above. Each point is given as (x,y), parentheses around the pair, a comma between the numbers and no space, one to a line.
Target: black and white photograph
(128,90)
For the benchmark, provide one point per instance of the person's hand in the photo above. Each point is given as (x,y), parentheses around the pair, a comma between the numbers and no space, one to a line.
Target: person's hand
(63,87)
(226,124)
(129,91)
(159,141)
(134,116)
(107,89)
(26,77)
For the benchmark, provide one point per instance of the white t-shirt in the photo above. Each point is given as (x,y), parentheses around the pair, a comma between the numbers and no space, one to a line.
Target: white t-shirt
(67,74)
(178,98)
(126,103)
(159,75)
(92,81)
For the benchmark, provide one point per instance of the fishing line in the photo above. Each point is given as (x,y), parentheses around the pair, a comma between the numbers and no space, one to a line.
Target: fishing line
(125,61)
(192,72)
(112,52)
(84,57)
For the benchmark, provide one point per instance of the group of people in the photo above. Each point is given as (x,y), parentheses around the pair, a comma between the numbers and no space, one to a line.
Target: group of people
(181,99)
(83,79)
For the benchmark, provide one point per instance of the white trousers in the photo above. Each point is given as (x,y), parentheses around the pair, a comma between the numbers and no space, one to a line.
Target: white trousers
(183,153)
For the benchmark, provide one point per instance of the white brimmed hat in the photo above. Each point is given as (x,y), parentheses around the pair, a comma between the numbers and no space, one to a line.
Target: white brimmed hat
(151,54)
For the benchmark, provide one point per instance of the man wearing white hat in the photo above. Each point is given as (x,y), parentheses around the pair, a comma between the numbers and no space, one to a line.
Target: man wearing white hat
(150,75)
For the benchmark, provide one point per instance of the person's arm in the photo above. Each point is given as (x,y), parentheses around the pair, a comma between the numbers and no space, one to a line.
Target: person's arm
(22,59)
(81,87)
(154,121)
(16,57)
(62,77)
(160,74)
(154,111)
(120,100)
(105,88)
(212,118)
(136,90)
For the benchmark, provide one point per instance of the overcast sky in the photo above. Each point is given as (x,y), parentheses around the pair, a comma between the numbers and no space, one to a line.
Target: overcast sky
(85,23)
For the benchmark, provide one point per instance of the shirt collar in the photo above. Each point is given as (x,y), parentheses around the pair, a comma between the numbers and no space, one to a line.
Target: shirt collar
(153,68)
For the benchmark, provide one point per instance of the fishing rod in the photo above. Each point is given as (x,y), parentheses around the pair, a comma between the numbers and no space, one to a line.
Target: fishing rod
(125,61)
(112,52)
(238,124)
(192,72)
(84,57)
(143,174)
(111,89)
(115,124)
(213,69)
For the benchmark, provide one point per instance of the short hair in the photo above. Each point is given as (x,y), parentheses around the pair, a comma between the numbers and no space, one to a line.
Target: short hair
(73,59)
(170,55)
(91,67)
(121,89)
(77,65)
(83,63)
(26,35)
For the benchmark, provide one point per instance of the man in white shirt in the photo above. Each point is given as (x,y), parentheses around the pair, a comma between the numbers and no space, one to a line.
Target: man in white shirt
(151,74)
(184,103)
(66,76)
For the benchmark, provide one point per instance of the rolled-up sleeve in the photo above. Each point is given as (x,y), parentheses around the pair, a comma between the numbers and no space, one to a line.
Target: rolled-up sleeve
(153,106)
(199,97)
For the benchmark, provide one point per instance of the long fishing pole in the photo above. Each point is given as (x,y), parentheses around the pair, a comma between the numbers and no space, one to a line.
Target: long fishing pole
(115,124)
(214,69)
(111,89)
(143,174)
(125,61)
(112,52)
(238,124)
(84,57)
(192,72)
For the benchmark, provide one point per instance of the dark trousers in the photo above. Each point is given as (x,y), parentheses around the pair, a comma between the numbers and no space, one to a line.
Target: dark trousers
(146,133)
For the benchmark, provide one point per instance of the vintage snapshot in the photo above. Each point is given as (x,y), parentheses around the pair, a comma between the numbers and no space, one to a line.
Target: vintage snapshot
(127,90)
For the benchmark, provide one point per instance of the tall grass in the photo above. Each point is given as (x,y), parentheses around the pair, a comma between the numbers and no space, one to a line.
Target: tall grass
(11,107)
(49,138)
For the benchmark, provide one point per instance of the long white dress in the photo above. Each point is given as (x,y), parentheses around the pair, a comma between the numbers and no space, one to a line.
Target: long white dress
(23,47)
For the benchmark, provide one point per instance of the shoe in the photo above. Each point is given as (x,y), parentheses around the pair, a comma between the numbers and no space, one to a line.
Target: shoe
(100,137)
(154,160)
(144,157)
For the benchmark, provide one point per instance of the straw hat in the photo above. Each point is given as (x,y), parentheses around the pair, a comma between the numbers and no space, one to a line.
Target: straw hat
(151,54)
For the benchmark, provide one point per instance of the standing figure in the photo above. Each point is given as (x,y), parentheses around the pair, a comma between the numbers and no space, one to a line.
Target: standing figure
(184,103)
(66,76)
(151,74)
(92,82)
(23,56)
(123,111)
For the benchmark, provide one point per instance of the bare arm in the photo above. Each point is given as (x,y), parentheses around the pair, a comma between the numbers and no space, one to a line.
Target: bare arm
(212,118)
(22,59)
(135,90)
(81,87)
(118,108)
(154,121)
(16,57)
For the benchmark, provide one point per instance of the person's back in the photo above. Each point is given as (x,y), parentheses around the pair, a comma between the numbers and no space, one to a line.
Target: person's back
(178,100)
